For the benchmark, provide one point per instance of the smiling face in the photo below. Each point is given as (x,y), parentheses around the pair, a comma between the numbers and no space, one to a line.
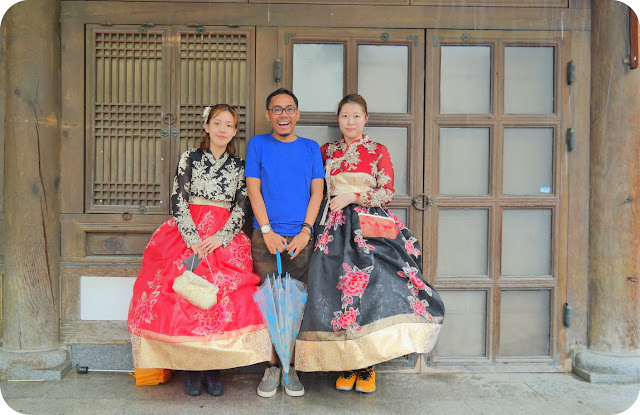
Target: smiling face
(283,124)
(221,129)
(351,119)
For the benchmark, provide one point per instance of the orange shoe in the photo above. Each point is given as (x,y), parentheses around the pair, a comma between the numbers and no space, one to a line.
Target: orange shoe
(346,381)
(366,380)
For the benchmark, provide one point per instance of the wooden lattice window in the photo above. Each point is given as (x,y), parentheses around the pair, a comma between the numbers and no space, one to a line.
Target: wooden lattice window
(127,95)
(213,68)
(146,91)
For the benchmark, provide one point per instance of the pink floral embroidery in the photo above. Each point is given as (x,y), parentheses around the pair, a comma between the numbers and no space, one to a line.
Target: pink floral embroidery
(336,219)
(345,321)
(213,320)
(323,241)
(360,209)
(152,241)
(143,312)
(225,283)
(420,307)
(353,283)
(240,252)
(362,243)
(398,222)
(179,264)
(410,247)
(205,224)
(415,282)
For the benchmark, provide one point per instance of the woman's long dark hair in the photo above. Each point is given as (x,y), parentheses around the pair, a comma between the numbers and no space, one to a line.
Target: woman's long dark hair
(215,110)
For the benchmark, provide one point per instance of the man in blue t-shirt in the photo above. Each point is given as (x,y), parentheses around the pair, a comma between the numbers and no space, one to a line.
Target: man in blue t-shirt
(285,182)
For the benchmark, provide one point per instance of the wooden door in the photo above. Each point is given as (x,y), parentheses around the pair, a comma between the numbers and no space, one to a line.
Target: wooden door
(386,68)
(496,179)
(145,90)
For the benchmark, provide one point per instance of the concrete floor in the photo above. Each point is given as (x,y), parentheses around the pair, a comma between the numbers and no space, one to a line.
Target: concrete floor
(454,393)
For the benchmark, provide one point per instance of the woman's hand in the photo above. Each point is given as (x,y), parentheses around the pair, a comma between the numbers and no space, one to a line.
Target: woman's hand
(204,248)
(342,200)
(298,243)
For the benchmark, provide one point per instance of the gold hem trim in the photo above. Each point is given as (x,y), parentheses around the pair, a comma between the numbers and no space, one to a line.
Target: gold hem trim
(243,350)
(380,346)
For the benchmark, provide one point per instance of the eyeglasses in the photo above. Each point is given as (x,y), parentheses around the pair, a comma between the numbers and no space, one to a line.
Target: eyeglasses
(278,110)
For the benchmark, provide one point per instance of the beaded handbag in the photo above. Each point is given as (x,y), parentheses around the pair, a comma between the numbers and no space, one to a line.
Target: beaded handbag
(196,290)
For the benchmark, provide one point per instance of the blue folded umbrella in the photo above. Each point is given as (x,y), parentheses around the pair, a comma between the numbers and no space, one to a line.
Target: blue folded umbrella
(281,300)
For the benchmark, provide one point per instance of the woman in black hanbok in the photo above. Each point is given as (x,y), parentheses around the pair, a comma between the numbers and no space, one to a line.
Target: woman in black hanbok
(368,300)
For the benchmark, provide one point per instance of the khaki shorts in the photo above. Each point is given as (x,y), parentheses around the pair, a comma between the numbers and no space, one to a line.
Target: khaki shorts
(264,263)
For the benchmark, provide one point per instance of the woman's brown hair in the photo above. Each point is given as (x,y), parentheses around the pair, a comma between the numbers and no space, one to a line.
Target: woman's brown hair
(353,99)
(215,110)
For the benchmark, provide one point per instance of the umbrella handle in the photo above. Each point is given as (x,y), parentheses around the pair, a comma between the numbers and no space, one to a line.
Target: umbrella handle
(279,262)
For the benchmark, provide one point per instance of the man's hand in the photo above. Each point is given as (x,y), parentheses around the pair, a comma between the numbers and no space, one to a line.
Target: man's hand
(274,242)
(298,243)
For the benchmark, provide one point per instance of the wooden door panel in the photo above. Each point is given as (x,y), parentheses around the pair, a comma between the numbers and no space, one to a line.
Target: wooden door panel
(213,66)
(127,144)
(401,126)
(508,144)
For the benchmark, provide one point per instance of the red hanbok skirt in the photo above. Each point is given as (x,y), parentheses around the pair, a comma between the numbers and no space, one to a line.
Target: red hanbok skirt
(168,331)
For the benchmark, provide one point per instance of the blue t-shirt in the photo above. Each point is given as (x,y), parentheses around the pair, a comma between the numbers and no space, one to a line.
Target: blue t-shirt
(285,171)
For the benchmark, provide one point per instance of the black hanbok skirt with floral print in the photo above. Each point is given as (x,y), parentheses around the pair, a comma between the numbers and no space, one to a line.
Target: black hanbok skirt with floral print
(368,300)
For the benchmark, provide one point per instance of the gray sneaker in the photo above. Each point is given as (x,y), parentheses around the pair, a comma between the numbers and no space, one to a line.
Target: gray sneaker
(270,381)
(294,388)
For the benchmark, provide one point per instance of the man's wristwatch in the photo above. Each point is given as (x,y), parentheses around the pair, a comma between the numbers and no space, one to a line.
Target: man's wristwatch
(266,228)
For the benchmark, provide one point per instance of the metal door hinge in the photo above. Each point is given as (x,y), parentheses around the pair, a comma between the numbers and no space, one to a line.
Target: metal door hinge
(169,132)
(571,139)
(277,70)
(567,317)
(571,73)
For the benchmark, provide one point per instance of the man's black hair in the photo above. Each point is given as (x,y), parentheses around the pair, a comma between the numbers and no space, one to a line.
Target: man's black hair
(281,91)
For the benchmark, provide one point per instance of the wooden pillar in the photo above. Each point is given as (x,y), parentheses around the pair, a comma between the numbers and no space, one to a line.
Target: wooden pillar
(615,180)
(32,102)
(614,224)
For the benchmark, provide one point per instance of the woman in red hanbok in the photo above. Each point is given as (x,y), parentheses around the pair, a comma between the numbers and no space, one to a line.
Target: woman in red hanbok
(368,301)
(209,204)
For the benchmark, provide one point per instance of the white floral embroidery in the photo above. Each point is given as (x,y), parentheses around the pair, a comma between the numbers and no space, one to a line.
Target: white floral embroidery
(199,174)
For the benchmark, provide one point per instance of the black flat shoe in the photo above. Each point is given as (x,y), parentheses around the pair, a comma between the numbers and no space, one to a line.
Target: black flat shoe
(215,387)
(192,383)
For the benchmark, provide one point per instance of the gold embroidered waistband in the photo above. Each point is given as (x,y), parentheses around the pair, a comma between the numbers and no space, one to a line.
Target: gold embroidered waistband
(350,182)
(218,203)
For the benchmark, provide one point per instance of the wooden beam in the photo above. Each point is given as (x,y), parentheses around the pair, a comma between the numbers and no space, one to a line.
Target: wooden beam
(314,15)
